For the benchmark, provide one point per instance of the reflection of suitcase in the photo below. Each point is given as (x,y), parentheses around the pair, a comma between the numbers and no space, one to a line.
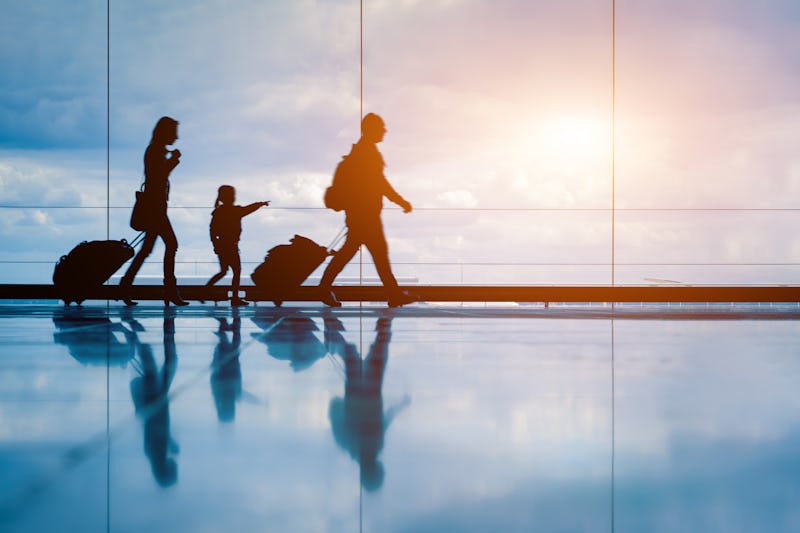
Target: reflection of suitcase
(87,266)
(92,340)
(287,266)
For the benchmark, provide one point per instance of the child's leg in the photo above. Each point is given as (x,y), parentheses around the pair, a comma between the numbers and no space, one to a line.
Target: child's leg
(236,266)
(223,269)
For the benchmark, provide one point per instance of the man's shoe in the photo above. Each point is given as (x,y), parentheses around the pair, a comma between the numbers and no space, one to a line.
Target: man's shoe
(238,302)
(400,298)
(329,299)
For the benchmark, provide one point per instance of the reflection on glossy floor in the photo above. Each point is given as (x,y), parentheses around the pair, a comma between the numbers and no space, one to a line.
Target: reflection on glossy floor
(450,419)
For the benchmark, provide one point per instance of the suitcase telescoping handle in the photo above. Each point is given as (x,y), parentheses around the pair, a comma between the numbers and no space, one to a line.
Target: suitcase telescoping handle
(336,240)
(137,240)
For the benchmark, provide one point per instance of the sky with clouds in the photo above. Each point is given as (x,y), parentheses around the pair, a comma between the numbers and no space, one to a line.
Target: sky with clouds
(499,119)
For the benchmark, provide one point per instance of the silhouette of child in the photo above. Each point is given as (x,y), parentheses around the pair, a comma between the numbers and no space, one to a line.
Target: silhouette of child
(225,230)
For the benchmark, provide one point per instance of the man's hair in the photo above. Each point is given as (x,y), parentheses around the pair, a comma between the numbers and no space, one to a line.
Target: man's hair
(371,122)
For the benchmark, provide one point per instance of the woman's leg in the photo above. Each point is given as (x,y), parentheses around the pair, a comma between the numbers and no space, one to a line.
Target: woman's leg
(136,264)
(171,293)
(147,247)
(167,234)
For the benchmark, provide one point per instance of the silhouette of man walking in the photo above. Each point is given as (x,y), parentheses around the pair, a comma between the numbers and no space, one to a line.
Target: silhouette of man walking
(363,195)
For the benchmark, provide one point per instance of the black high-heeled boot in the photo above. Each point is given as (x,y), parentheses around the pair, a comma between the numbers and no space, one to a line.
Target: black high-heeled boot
(171,295)
(125,284)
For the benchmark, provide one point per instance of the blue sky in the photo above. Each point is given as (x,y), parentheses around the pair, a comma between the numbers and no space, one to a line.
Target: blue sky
(495,106)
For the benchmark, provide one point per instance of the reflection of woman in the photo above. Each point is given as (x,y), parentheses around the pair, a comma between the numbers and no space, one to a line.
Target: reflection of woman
(150,394)
(158,163)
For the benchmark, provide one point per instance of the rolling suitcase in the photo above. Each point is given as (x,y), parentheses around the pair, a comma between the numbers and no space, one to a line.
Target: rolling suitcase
(89,265)
(287,266)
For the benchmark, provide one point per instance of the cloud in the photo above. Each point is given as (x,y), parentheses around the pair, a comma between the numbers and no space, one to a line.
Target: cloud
(457,198)
(27,182)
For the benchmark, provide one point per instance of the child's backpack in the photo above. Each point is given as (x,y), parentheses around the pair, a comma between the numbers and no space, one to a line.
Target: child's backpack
(339,193)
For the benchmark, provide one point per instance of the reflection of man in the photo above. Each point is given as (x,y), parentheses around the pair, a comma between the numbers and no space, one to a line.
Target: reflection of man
(150,392)
(363,191)
(357,420)
(226,372)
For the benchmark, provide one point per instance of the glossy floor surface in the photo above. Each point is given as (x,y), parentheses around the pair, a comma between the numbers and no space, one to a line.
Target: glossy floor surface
(446,419)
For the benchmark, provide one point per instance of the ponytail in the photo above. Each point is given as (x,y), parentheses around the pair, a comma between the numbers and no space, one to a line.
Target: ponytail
(224,191)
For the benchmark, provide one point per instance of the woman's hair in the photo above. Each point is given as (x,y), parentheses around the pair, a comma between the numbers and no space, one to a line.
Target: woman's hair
(224,195)
(165,127)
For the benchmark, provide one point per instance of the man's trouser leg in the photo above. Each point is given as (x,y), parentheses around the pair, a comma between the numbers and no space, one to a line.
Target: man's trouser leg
(375,241)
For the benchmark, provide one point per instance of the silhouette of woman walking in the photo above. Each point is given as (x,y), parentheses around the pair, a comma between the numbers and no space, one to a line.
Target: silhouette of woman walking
(158,164)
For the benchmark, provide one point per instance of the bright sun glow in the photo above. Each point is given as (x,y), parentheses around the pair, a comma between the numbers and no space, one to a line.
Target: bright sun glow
(561,159)
(570,143)
(574,138)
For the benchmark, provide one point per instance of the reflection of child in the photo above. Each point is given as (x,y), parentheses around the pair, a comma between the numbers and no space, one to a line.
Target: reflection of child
(225,230)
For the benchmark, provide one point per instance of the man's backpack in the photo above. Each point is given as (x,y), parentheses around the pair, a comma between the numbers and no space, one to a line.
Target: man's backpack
(339,193)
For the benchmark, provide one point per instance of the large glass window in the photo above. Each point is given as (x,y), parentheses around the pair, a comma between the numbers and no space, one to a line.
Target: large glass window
(52,133)
(499,119)
(706,154)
